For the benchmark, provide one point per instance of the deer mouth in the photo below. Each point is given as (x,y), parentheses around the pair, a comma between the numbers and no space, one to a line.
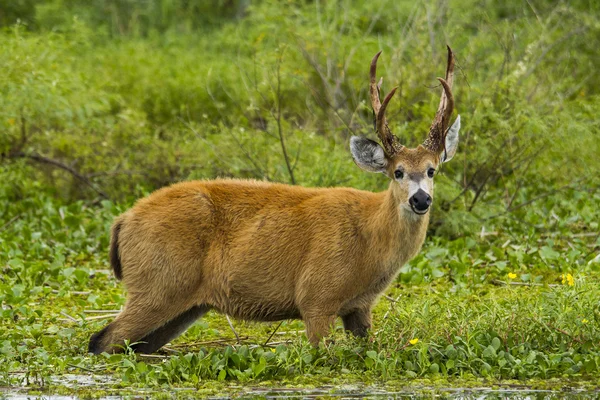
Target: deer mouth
(417,211)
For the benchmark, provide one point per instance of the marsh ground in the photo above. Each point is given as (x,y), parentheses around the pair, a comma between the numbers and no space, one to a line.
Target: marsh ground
(101,105)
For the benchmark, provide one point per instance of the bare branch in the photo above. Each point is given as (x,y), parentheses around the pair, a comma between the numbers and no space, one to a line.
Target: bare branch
(9,222)
(279,128)
(237,337)
(273,333)
(55,163)
(541,196)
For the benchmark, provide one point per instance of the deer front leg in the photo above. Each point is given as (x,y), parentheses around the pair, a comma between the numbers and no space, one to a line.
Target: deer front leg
(358,322)
(318,326)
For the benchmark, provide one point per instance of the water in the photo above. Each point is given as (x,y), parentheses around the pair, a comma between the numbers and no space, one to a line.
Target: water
(425,393)
(107,383)
(329,393)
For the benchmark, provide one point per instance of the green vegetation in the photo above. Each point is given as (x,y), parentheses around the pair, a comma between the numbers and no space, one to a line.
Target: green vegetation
(102,102)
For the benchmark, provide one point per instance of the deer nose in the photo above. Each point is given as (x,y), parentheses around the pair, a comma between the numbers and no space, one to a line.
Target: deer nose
(420,201)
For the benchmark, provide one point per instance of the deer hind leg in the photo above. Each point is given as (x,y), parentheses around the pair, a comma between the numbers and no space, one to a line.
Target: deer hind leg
(144,318)
(358,322)
(175,327)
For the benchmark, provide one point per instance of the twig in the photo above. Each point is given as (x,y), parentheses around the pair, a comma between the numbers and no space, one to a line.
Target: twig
(549,48)
(499,282)
(267,341)
(431,33)
(567,334)
(169,349)
(390,298)
(10,221)
(527,161)
(116,172)
(93,371)
(259,169)
(393,301)
(100,317)
(156,356)
(55,291)
(18,147)
(535,13)
(550,327)
(322,102)
(487,166)
(237,337)
(480,190)
(270,344)
(483,233)
(586,234)
(215,341)
(104,271)
(68,316)
(278,343)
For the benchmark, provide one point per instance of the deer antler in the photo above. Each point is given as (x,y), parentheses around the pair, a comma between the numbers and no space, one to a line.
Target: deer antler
(437,133)
(390,143)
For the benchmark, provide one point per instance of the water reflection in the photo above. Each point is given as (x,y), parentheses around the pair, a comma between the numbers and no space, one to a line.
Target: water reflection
(346,393)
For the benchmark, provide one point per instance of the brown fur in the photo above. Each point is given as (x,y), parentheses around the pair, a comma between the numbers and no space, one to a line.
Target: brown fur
(262,251)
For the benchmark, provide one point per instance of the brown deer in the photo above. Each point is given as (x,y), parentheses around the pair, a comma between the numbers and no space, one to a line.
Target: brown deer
(266,251)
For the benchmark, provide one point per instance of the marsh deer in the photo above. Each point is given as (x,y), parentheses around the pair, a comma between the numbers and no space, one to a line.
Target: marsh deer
(266,251)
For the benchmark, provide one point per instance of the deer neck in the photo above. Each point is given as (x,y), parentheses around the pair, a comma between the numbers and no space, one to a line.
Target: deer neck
(397,232)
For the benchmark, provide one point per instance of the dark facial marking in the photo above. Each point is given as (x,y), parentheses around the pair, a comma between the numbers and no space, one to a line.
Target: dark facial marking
(416,176)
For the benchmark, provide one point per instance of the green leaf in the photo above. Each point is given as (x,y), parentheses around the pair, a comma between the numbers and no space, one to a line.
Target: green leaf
(549,253)
(489,352)
(222,375)
(451,352)
(496,343)
(141,367)
(260,367)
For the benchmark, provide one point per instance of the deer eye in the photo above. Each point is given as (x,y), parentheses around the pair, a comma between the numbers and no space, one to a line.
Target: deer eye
(399,174)
(430,172)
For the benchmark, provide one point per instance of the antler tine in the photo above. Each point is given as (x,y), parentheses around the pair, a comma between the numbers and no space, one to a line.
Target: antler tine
(439,126)
(448,107)
(374,87)
(390,143)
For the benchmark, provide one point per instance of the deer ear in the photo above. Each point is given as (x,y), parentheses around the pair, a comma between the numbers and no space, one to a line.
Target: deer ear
(451,141)
(368,154)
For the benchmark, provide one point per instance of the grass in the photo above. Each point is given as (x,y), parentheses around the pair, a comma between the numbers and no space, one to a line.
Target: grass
(507,305)
(100,106)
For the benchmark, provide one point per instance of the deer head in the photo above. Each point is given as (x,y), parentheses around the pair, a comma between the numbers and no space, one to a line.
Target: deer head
(411,170)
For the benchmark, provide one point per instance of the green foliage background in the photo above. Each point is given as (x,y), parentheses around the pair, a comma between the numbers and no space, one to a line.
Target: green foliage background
(102,102)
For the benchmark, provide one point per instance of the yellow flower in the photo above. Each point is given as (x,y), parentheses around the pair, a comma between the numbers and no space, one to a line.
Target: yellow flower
(584,321)
(414,341)
(511,275)
(568,279)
